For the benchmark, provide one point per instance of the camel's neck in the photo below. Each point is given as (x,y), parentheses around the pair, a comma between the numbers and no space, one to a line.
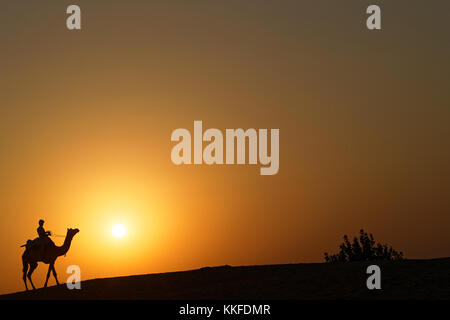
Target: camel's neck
(62,250)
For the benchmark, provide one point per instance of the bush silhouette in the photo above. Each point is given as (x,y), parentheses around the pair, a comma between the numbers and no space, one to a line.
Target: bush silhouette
(363,249)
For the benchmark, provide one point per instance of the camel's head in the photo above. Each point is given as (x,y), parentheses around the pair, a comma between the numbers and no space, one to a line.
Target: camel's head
(72,232)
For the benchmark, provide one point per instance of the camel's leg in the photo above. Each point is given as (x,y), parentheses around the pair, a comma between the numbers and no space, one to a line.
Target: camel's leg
(54,273)
(48,275)
(32,267)
(24,270)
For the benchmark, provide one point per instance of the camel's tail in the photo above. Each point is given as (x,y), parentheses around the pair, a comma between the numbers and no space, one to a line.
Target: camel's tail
(27,245)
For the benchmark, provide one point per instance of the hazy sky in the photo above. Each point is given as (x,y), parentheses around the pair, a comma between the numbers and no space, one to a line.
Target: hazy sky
(86,118)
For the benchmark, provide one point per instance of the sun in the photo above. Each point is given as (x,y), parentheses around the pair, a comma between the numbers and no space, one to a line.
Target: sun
(119,230)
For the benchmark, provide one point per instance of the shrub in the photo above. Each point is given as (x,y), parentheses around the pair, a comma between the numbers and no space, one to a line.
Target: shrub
(363,248)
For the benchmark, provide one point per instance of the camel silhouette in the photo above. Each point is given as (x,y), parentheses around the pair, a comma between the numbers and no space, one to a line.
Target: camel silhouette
(33,255)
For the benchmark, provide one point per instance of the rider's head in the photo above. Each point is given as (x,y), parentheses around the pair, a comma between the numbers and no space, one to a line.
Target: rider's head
(41,222)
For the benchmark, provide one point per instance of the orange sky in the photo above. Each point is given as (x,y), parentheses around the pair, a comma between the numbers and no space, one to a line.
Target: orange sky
(86,118)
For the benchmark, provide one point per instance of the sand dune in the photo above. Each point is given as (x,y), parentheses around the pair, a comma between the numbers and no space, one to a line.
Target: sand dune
(409,279)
